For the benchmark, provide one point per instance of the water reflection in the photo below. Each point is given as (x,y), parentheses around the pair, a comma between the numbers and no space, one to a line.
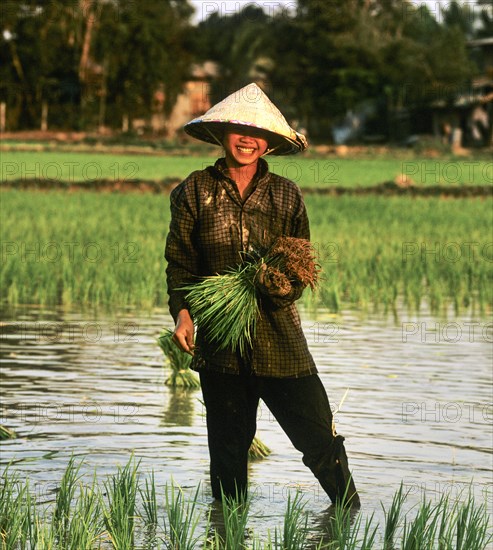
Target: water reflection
(181,407)
(418,410)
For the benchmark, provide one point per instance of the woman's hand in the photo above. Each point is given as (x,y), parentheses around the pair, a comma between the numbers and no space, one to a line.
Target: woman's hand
(272,282)
(184,332)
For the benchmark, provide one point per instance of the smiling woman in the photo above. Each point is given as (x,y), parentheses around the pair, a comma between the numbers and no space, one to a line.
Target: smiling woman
(220,218)
(243,148)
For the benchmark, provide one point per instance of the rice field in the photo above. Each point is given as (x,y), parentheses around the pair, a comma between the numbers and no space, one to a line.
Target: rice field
(126,510)
(92,249)
(46,166)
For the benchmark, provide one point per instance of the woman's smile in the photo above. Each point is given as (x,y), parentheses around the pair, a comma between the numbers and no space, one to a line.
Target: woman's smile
(243,149)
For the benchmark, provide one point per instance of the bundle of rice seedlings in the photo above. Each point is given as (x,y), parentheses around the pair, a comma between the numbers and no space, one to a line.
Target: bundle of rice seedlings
(179,361)
(296,259)
(258,450)
(226,307)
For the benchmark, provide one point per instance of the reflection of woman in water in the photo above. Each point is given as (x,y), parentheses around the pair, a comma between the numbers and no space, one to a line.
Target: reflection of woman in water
(217,215)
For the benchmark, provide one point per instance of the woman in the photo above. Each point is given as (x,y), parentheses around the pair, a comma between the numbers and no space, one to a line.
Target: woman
(217,216)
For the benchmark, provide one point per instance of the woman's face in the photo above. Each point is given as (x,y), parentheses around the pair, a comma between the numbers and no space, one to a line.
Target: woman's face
(243,145)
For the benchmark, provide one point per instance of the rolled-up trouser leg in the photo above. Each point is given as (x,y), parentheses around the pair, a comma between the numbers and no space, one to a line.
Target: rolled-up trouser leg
(302,408)
(231,407)
(332,472)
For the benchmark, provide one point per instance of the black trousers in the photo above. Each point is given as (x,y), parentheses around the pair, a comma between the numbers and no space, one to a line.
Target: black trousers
(301,407)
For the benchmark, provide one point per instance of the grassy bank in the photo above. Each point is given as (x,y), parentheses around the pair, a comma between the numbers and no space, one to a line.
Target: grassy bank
(307,172)
(99,249)
(126,511)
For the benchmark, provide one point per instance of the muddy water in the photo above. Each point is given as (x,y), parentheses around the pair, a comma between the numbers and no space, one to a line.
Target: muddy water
(418,410)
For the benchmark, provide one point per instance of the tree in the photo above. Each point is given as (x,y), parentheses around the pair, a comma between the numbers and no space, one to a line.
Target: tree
(486,19)
(460,16)
(143,47)
(78,55)
(334,55)
(236,43)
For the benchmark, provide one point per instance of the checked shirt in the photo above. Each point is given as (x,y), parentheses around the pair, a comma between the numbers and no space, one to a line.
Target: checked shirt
(211,227)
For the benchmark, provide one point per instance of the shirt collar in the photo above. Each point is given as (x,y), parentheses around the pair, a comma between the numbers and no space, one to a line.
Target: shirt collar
(261,174)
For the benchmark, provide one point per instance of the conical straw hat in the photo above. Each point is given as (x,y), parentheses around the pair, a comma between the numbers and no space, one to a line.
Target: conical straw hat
(248,106)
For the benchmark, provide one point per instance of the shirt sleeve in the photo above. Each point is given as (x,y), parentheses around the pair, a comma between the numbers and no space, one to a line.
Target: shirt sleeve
(301,230)
(180,251)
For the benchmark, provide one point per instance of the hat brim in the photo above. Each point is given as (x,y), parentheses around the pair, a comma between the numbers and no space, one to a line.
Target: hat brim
(213,132)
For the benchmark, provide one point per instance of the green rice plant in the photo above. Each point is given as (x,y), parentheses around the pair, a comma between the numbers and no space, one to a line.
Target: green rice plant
(86,525)
(29,532)
(225,306)
(149,501)
(473,527)
(46,538)
(258,449)
(382,249)
(235,516)
(64,499)
(307,171)
(119,512)
(179,361)
(421,531)
(150,511)
(6,433)
(182,519)
(343,531)
(369,534)
(17,508)
(446,528)
(463,525)
(295,528)
(392,517)
(375,251)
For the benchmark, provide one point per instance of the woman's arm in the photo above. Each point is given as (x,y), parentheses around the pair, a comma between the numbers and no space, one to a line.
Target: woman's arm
(301,230)
(182,266)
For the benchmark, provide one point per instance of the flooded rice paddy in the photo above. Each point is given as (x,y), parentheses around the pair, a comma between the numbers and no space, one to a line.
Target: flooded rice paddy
(418,411)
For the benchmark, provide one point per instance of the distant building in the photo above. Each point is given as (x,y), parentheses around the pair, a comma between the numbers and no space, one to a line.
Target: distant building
(467,120)
(192,102)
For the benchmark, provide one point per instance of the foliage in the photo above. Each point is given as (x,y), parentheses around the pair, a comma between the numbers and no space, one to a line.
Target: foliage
(48,168)
(342,53)
(96,62)
(179,362)
(6,433)
(118,513)
(236,43)
(82,248)
(86,54)
(225,306)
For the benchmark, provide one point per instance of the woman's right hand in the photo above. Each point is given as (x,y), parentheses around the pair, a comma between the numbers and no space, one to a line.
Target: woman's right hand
(184,332)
